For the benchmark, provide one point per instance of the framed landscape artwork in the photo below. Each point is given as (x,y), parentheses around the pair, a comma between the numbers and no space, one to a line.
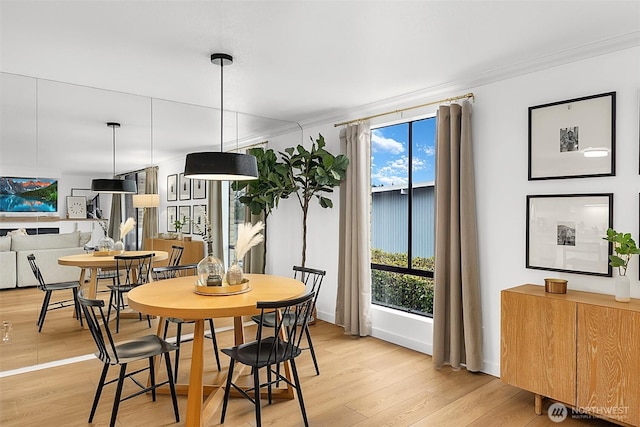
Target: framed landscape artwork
(565,233)
(172,188)
(573,138)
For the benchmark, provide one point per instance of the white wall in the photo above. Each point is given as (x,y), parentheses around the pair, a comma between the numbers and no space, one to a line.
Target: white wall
(500,144)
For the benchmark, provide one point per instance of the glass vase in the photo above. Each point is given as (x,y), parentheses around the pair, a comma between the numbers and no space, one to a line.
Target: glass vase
(118,247)
(235,275)
(623,289)
(105,244)
(210,269)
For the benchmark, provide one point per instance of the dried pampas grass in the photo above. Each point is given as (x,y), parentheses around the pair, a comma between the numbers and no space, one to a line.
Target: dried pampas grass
(248,236)
(126,227)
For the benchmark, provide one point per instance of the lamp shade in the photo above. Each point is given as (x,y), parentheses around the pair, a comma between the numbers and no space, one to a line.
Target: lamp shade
(146,200)
(122,186)
(220,166)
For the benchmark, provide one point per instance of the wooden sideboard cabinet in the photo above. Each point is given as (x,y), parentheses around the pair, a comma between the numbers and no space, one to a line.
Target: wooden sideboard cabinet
(192,254)
(580,348)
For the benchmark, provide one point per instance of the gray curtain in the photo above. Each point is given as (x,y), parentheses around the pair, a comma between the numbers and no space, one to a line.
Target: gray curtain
(214,212)
(115,218)
(457,322)
(254,260)
(353,302)
(150,218)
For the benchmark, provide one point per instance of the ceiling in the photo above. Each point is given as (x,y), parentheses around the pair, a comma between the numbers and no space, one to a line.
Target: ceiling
(296,63)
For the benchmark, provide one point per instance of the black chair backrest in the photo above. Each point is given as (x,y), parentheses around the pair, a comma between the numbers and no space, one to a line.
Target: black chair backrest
(312,279)
(169,272)
(133,269)
(175,256)
(93,310)
(292,320)
(36,272)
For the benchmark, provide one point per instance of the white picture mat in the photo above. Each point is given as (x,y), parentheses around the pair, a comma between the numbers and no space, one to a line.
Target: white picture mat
(592,117)
(588,215)
(185,212)
(199,188)
(172,214)
(184,187)
(199,211)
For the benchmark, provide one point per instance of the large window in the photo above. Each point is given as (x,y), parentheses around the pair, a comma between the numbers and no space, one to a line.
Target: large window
(402,215)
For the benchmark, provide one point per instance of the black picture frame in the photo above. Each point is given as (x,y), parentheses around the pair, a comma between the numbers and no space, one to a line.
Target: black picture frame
(172,215)
(199,189)
(172,188)
(198,226)
(564,232)
(184,187)
(185,212)
(573,138)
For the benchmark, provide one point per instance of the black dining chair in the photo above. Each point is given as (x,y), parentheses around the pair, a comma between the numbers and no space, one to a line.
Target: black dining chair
(175,256)
(134,350)
(272,346)
(103,273)
(170,272)
(48,289)
(312,279)
(133,270)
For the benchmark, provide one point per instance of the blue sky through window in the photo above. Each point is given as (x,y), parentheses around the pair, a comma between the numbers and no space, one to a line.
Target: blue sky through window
(390,153)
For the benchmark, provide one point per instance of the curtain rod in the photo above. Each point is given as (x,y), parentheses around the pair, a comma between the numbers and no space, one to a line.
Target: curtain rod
(455,98)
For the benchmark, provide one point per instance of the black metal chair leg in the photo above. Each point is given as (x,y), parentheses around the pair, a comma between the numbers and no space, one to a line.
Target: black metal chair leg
(178,342)
(172,387)
(296,380)
(76,304)
(215,343)
(43,310)
(313,353)
(116,400)
(152,379)
(226,391)
(256,395)
(98,391)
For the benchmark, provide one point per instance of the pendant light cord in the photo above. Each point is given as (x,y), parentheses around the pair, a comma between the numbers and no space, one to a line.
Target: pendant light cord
(113,129)
(221,105)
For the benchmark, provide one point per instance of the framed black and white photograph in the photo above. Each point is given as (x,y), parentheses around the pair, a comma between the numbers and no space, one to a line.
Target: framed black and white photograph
(184,187)
(199,188)
(185,216)
(172,215)
(172,188)
(199,211)
(573,138)
(565,233)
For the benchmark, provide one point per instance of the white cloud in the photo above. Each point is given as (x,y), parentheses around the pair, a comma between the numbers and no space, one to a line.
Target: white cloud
(395,172)
(380,143)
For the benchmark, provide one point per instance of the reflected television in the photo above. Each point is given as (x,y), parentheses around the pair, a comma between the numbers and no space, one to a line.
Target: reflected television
(28,194)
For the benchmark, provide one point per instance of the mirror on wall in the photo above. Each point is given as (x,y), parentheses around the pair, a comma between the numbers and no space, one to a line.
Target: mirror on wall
(58,130)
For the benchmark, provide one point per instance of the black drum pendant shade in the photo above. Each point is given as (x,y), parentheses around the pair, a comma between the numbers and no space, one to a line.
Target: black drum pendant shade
(221,166)
(115,185)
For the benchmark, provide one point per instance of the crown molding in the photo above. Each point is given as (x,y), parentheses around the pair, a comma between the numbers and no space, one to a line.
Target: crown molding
(558,58)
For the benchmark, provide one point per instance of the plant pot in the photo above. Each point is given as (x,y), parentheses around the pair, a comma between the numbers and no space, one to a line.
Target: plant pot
(623,289)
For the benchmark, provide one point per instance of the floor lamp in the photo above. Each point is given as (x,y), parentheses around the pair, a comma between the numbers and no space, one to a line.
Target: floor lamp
(145,201)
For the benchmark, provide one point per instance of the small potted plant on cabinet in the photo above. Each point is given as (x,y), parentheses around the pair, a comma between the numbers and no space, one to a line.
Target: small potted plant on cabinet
(625,248)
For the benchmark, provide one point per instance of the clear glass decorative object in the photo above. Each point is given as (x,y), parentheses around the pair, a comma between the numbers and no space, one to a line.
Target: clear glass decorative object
(210,269)
(106,244)
(118,247)
(235,275)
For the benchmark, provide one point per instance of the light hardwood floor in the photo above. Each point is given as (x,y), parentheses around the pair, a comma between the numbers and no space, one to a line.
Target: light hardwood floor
(362,382)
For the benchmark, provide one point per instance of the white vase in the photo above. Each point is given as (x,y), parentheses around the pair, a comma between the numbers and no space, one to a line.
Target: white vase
(623,289)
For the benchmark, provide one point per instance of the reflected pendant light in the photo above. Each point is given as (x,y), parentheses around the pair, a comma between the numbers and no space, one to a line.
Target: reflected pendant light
(221,166)
(115,185)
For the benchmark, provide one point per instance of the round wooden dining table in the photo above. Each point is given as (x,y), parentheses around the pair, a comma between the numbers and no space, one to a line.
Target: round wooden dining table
(177,298)
(93,263)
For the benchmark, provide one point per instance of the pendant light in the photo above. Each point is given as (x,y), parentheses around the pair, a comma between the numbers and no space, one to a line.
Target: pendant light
(221,166)
(115,185)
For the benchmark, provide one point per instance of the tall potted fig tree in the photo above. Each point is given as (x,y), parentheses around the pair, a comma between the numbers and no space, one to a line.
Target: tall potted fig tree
(313,173)
(263,194)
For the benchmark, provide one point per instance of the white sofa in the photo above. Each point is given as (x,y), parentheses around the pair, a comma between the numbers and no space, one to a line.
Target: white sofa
(14,266)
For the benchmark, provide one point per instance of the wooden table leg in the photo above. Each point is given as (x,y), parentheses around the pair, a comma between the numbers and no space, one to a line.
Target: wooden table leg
(238,331)
(538,404)
(194,399)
